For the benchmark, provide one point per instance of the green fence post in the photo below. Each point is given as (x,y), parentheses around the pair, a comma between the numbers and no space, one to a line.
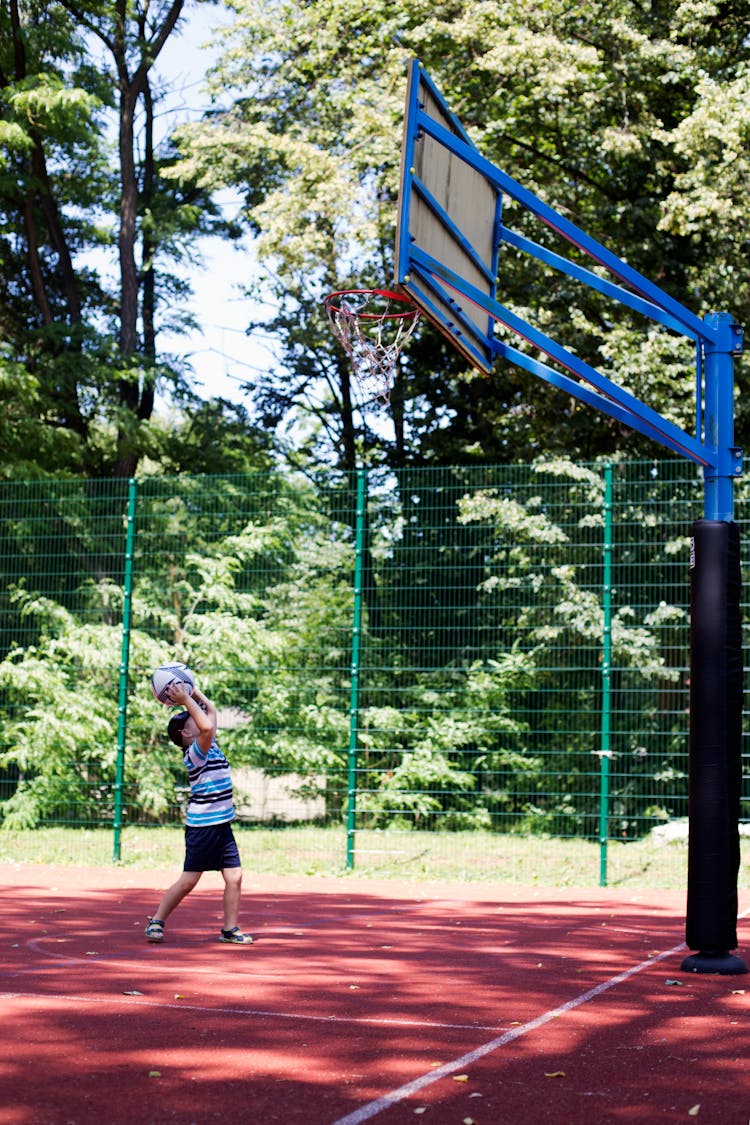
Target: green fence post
(605,749)
(122,706)
(359,543)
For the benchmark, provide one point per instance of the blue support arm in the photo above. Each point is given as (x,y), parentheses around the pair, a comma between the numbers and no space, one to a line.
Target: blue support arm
(631,409)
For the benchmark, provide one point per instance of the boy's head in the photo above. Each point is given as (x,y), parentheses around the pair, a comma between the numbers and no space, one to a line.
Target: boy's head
(176,726)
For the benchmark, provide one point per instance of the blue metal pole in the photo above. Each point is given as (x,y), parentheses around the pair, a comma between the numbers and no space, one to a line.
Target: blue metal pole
(718,417)
(716,673)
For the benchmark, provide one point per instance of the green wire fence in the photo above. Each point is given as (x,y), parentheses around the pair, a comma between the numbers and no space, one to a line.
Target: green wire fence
(406,664)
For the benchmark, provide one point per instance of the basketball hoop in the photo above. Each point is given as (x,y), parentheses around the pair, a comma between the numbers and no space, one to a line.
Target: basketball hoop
(372,326)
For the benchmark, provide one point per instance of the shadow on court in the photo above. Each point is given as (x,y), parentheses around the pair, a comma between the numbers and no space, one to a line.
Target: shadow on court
(452,1003)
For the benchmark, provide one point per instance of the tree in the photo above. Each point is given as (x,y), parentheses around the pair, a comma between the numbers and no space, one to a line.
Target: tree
(480,688)
(258,610)
(304,159)
(134,43)
(78,340)
(600,108)
(41,309)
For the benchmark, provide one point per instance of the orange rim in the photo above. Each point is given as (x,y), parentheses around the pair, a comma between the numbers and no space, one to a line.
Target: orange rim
(388,294)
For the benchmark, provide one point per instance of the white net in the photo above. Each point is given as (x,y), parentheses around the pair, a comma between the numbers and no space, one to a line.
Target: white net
(372,325)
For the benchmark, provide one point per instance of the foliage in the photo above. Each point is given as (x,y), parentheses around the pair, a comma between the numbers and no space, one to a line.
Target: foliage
(479,682)
(561,616)
(60,731)
(631,121)
(91,236)
(431,758)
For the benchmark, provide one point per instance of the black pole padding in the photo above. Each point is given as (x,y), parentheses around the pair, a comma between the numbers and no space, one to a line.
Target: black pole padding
(715,771)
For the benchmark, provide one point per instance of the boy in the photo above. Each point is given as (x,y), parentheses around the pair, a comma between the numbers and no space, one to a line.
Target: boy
(209,840)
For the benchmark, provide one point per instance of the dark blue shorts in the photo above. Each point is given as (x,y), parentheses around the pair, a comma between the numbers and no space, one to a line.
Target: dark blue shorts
(211,849)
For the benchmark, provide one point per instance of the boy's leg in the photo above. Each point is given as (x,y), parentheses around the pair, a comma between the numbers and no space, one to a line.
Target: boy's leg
(174,895)
(232,893)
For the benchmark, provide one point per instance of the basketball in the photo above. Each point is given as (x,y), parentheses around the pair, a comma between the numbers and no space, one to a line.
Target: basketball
(165,675)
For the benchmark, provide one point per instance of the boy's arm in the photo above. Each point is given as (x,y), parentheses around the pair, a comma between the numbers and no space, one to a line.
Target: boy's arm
(201,711)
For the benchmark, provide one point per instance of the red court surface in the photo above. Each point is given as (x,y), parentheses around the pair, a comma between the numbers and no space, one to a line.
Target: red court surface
(360,1001)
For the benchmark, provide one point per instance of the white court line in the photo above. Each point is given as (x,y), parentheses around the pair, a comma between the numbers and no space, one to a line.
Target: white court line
(371,1109)
(255,1012)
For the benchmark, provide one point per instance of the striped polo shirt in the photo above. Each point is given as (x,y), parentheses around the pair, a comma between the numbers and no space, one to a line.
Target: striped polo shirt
(210,787)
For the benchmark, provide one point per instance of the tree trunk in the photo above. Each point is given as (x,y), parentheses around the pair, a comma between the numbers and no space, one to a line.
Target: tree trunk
(135,390)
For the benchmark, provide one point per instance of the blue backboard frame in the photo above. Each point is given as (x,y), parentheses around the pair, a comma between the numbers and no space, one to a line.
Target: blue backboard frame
(457,291)
(435,183)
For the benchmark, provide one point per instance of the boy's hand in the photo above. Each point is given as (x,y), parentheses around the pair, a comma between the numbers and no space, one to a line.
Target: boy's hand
(177,693)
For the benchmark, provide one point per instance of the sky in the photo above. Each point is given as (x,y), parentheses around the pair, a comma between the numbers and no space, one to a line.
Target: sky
(220,354)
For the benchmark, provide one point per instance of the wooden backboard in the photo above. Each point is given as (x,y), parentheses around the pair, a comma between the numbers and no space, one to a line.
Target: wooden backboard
(447,224)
